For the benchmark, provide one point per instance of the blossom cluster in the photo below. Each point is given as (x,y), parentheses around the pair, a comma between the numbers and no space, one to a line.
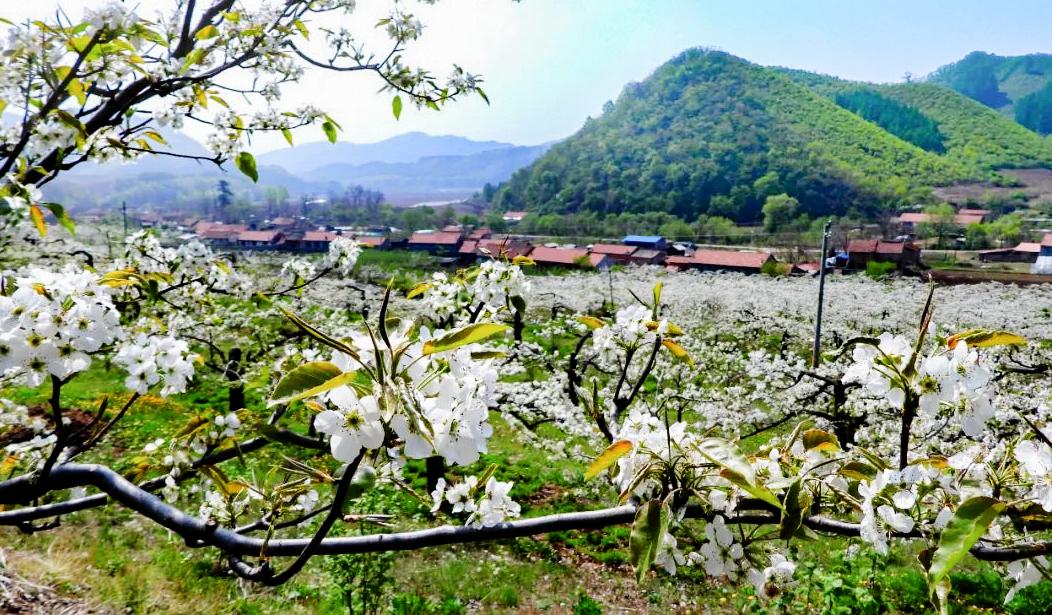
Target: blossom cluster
(484,505)
(52,321)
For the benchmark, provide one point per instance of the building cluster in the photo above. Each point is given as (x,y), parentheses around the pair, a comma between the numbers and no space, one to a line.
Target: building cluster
(463,246)
(1039,254)
(907,222)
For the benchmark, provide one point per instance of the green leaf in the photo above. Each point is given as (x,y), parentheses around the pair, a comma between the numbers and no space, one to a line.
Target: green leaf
(329,341)
(396,106)
(302,28)
(970,521)
(608,458)
(736,468)
(246,163)
(63,218)
(285,132)
(471,334)
(330,130)
(308,380)
(648,529)
(797,501)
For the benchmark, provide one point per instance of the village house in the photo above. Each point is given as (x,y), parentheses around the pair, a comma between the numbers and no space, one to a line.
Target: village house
(618,253)
(643,256)
(568,257)
(649,242)
(436,242)
(1025,252)
(514,216)
(720,260)
(218,234)
(862,251)
(908,221)
(1043,264)
(378,242)
(311,241)
(259,240)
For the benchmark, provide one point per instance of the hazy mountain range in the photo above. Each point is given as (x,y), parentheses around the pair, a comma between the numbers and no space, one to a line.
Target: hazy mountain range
(407,167)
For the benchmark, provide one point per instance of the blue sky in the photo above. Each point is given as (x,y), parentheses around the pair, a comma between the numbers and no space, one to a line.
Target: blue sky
(548,64)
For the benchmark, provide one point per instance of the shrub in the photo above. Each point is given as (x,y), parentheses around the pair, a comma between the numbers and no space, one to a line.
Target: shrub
(878,270)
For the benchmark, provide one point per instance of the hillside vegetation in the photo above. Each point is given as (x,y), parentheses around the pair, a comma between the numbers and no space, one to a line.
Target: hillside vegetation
(1019,86)
(711,134)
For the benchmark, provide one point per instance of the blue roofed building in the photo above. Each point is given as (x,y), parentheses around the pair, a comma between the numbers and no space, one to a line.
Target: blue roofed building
(649,242)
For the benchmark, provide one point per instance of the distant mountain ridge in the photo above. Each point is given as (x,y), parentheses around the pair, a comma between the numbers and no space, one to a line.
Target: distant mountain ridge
(404,148)
(408,166)
(709,133)
(1018,86)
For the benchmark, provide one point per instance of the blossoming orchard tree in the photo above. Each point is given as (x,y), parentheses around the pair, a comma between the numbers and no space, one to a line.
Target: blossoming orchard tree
(919,434)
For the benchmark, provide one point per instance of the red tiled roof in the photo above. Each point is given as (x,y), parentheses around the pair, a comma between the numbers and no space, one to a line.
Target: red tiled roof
(913,217)
(282,221)
(730,258)
(862,245)
(468,247)
(319,236)
(371,240)
(557,256)
(441,238)
(268,236)
(451,228)
(614,249)
(507,248)
(479,233)
(597,259)
(876,246)
(810,267)
(220,233)
(1047,240)
(1033,246)
(974,212)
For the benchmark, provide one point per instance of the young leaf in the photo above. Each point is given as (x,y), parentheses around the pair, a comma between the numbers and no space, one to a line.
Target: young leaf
(985,338)
(968,524)
(418,290)
(38,219)
(246,163)
(330,131)
(608,458)
(678,351)
(207,32)
(318,335)
(63,218)
(648,530)
(736,468)
(591,322)
(396,106)
(470,334)
(285,132)
(822,440)
(308,380)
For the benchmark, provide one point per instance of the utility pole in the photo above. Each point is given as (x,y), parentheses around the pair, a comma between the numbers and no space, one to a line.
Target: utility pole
(815,349)
(124,217)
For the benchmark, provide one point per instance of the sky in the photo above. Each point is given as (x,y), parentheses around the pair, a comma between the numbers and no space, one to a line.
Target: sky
(549,64)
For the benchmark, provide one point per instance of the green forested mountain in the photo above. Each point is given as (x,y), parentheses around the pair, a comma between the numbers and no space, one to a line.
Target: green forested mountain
(1018,86)
(711,134)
